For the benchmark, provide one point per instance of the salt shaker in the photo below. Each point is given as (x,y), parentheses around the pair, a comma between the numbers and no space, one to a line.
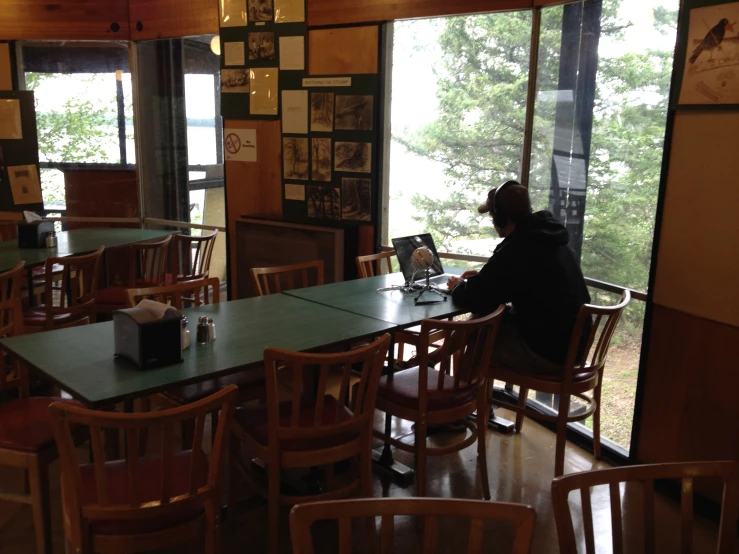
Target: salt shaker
(211,330)
(203,335)
(51,241)
(185,334)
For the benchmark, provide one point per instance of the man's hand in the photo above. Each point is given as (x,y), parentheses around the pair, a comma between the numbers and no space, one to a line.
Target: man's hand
(454,281)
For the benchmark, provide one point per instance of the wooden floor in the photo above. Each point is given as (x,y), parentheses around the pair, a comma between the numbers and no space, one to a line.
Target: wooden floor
(521,469)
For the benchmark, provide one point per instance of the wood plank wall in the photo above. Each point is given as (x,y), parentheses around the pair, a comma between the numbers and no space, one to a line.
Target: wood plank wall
(6,78)
(64,20)
(151,19)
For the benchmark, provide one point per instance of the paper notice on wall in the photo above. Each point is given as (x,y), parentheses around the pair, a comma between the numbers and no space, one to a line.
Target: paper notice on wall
(24,184)
(10,119)
(292,53)
(233,53)
(295,111)
(294,192)
(327,82)
(240,145)
(263,97)
(289,11)
(233,13)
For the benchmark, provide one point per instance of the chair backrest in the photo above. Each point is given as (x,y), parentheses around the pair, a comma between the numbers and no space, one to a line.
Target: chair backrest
(149,263)
(467,348)
(646,474)
(11,323)
(371,265)
(604,320)
(521,517)
(326,424)
(283,277)
(192,256)
(74,292)
(198,292)
(203,480)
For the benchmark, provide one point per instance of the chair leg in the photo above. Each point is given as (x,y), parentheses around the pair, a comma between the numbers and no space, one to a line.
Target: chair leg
(38,483)
(596,421)
(212,530)
(522,396)
(559,456)
(483,408)
(365,475)
(273,507)
(401,348)
(420,459)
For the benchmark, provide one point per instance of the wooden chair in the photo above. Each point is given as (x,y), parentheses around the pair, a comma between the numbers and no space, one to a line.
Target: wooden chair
(646,475)
(203,292)
(199,292)
(314,428)
(430,397)
(578,377)
(191,257)
(372,264)
(140,504)
(69,300)
(285,275)
(521,517)
(26,437)
(145,268)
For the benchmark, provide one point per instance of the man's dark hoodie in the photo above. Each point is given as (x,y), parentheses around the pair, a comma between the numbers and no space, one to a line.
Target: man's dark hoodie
(535,270)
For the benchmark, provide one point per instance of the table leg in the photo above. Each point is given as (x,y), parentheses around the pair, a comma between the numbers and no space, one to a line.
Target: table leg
(383,459)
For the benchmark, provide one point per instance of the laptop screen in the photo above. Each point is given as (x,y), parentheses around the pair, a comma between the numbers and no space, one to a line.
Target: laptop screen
(404,248)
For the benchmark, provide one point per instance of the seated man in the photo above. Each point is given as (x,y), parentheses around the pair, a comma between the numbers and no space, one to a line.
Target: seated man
(534,270)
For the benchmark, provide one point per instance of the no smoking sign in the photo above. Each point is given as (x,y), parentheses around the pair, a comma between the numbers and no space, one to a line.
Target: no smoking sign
(241,145)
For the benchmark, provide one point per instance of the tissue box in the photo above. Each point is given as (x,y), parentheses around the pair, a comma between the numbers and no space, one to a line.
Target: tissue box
(147,343)
(33,235)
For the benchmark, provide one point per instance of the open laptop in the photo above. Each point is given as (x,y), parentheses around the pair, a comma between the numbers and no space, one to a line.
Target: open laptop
(404,247)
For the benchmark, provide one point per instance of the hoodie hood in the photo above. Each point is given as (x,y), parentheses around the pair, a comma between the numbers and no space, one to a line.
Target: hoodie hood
(543,227)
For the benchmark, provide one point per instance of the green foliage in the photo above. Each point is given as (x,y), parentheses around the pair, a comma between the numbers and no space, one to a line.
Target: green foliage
(478,134)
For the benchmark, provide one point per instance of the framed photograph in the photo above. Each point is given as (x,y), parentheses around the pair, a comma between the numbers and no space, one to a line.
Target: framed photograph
(356,196)
(260,10)
(322,112)
(261,46)
(354,113)
(324,201)
(353,157)
(234,80)
(295,158)
(321,159)
(711,72)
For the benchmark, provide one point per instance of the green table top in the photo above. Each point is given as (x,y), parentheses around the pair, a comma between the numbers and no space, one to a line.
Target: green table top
(361,296)
(78,241)
(80,359)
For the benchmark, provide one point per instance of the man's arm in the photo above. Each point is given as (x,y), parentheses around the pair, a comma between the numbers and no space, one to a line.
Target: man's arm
(485,291)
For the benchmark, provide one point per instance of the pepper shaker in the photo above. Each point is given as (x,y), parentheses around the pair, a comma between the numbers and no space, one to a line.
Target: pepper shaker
(211,330)
(203,335)
(51,241)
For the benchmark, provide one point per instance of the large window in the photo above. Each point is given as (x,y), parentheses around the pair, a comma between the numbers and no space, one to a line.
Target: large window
(458,106)
(84,109)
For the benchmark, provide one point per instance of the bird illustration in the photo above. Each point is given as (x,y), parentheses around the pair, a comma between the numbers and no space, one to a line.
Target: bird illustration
(712,40)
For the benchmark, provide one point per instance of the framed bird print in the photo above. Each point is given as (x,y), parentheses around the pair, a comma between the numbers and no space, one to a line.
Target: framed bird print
(711,73)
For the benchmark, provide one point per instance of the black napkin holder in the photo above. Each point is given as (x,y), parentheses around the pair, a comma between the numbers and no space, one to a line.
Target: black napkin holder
(147,343)
(33,235)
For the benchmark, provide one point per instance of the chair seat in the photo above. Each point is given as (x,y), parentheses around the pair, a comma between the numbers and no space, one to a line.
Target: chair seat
(112,295)
(403,390)
(36,317)
(25,425)
(150,489)
(249,383)
(253,419)
(40,270)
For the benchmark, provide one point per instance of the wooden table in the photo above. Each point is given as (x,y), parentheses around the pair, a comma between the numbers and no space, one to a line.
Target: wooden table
(79,241)
(361,297)
(80,359)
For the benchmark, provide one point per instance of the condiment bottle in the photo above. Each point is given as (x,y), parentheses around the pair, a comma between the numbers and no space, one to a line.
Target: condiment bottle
(211,330)
(51,239)
(203,334)
(185,334)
